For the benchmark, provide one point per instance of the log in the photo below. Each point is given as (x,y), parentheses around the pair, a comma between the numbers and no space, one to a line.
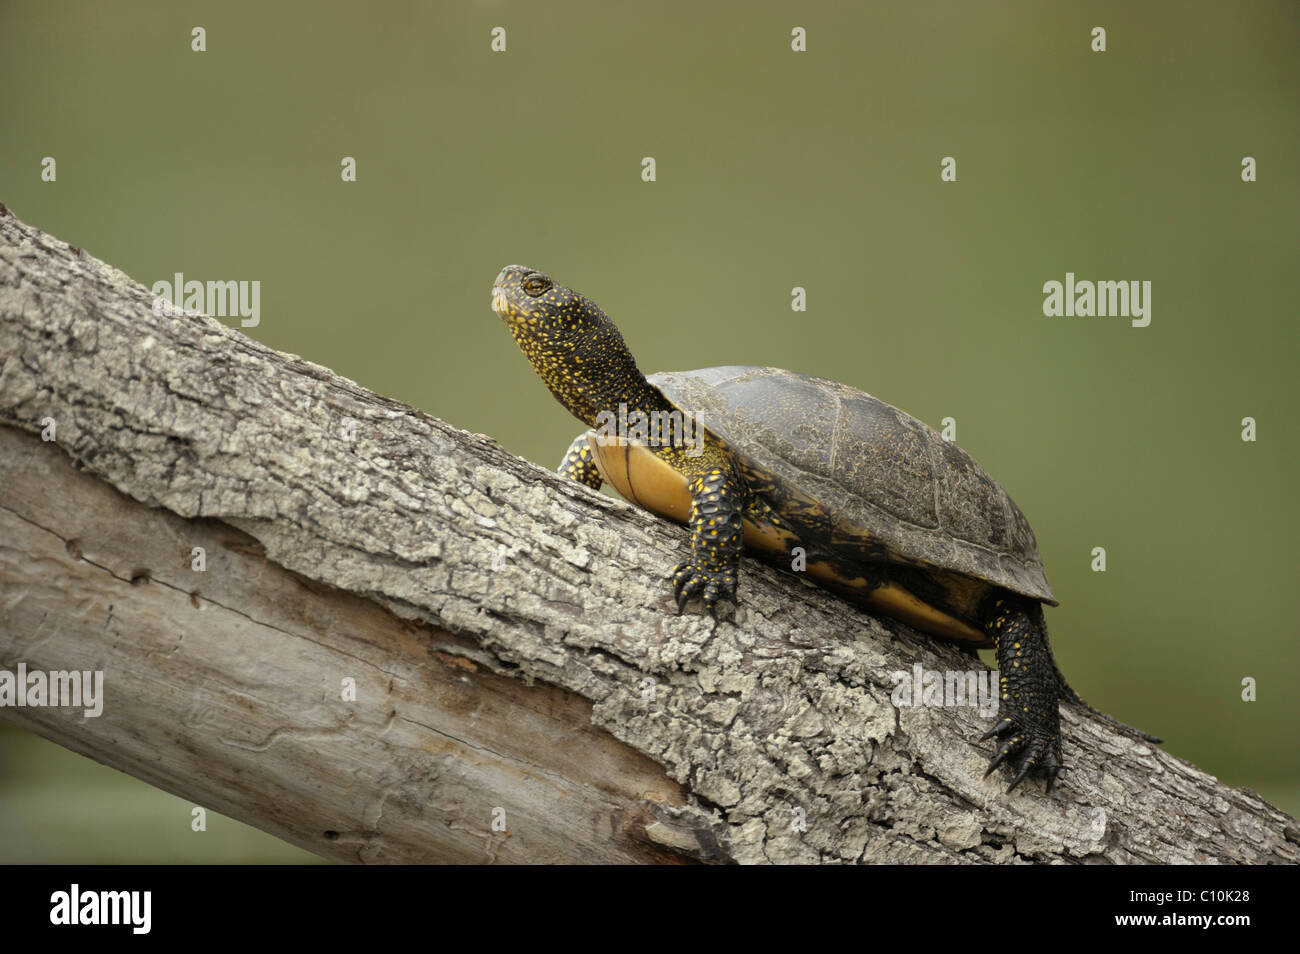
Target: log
(406,645)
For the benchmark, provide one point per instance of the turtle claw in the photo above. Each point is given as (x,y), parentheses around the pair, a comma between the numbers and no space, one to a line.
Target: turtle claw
(1051,766)
(998,729)
(684,585)
(712,586)
(1004,750)
(1040,759)
(1026,765)
(1028,750)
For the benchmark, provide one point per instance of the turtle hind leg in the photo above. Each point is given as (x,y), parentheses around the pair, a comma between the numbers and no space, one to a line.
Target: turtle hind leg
(579,464)
(1028,729)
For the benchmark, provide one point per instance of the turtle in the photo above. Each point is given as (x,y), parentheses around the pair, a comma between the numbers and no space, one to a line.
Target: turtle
(878,506)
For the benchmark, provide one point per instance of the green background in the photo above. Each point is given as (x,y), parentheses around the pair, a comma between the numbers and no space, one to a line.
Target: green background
(775,169)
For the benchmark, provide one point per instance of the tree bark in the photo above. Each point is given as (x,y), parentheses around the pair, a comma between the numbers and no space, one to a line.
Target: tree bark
(523,689)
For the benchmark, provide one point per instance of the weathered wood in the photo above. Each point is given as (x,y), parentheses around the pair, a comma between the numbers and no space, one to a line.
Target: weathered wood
(505,630)
(226,687)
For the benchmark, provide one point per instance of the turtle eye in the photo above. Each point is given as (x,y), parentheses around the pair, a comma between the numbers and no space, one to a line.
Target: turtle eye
(535,285)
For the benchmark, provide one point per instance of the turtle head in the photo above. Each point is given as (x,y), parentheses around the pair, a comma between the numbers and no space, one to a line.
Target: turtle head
(527,299)
(570,342)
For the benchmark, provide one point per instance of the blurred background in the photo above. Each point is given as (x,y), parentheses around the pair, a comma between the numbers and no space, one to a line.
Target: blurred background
(775,169)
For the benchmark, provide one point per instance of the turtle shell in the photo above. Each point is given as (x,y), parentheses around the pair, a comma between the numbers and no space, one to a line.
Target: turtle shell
(860,479)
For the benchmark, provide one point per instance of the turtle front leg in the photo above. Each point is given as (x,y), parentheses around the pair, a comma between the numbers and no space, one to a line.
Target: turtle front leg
(717,539)
(579,464)
(1029,719)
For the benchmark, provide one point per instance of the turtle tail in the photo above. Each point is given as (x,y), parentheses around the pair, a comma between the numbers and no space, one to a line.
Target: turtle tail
(1069,695)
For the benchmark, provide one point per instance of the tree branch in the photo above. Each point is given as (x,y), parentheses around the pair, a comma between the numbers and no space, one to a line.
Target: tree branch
(510,636)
